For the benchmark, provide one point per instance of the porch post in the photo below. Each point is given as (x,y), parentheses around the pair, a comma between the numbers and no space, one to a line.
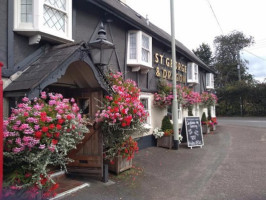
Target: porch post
(1,130)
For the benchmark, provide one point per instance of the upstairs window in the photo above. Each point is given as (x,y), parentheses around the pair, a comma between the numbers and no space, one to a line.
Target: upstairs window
(44,19)
(26,11)
(209,81)
(192,73)
(139,51)
(55,15)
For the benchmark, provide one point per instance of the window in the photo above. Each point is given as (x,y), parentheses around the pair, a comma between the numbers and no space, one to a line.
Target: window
(209,81)
(192,73)
(146,101)
(26,11)
(54,15)
(139,51)
(44,19)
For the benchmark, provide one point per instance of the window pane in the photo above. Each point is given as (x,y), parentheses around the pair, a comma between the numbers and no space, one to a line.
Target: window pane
(145,55)
(26,11)
(133,46)
(144,101)
(54,19)
(145,42)
(60,4)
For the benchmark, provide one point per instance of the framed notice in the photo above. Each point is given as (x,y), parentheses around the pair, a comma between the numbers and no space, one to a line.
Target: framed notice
(192,127)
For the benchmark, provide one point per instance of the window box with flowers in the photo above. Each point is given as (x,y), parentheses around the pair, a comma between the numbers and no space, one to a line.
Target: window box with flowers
(164,135)
(123,161)
(121,115)
(39,134)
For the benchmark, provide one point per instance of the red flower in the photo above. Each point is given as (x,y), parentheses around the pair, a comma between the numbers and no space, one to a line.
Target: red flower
(123,124)
(44,129)
(116,109)
(27,175)
(112,162)
(57,134)
(69,117)
(54,141)
(73,126)
(54,187)
(26,114)
(43,116)
(49,135)
(60,121)
(58,127)
(38,134)
(51,126)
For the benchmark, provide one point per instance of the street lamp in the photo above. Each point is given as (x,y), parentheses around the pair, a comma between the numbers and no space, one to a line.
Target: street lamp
(101,49)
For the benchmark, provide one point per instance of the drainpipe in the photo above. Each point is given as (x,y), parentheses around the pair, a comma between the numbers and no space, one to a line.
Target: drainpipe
(1,130)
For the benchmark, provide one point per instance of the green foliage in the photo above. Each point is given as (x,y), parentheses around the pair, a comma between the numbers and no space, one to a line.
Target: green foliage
(227,48)
(166,124)
(204,53)
(203,117)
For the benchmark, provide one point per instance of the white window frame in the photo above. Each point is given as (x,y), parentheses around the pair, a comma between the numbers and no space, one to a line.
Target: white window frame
(36,27)
(137,63)
(209,81)
(192,73)
(148,97)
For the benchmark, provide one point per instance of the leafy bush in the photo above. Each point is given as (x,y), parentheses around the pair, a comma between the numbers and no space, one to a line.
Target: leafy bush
(39,134)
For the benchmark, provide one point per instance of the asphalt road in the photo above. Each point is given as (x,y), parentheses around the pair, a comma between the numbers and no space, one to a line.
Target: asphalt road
(230,166)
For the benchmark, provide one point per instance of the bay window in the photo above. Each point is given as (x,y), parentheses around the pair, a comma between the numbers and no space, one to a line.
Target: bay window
(192,73)
(139,56)
(44,19)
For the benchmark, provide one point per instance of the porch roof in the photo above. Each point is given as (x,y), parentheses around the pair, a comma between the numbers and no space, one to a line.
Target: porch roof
(49,68)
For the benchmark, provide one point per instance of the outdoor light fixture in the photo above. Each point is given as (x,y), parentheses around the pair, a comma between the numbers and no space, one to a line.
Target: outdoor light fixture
(101,49)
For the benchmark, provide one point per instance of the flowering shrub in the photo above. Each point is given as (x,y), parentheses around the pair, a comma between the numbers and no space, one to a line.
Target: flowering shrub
(214,120)
(128,148)
(165,96)
(121,114)
(190,98)
(37,134)
(158,133)
(208,99)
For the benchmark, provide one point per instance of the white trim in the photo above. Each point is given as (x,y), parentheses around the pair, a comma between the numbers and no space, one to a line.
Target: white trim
(149,119)
(37,27)
(209,81)
(138,60)
(192,73)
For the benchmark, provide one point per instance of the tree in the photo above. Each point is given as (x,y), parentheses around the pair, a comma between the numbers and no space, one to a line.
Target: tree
(204,53)
(227,50)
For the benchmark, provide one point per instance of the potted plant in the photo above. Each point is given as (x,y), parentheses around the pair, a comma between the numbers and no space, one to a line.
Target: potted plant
(167,138)
(205,124)
(214,121)
(39,134)
(123,160)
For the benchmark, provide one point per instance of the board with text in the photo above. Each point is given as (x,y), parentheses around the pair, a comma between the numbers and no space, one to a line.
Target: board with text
(192,127)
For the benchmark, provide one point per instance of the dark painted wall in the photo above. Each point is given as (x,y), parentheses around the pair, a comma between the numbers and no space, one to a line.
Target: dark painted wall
(3,32)
(86,21)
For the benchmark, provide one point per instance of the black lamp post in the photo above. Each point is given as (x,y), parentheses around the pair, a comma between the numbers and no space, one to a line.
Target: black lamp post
(101,49)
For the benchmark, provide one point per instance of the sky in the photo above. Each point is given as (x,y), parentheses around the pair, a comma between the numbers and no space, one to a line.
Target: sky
(198,21)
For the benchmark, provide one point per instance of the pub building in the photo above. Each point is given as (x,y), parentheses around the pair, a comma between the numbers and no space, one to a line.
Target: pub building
(66,46)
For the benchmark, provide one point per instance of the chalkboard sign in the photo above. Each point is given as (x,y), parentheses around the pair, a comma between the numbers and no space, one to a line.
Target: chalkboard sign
(192,127)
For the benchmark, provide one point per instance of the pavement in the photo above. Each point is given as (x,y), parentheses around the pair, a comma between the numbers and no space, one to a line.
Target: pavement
(230,166)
